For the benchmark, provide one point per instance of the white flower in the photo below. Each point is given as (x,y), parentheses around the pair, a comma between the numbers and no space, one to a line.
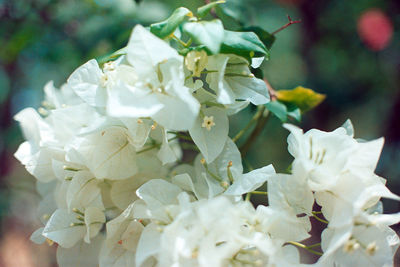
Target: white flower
(37,159)
(161,198)
(225,173)
(199,236)
(89,82)
(123,235)
(208,122)
(108,153)
(361,245)
(83,191)
(290,205)
(67,228)
(57,98)
(233,80)
(351,196)
(324,156)
(160,93)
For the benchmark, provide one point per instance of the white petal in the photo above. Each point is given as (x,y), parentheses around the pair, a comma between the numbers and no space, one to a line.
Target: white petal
(59,229)
(166,153)
(348,126)
(85,82)
(250,181)
(149,244)
(94,220)
(37,236)
(229,153)
(81,255)
(250,89)
(123,192)
(158,193)
(132,102)
(211,142)
(145,51)
(179,111)
(216,80)
(108,154)
(83,189)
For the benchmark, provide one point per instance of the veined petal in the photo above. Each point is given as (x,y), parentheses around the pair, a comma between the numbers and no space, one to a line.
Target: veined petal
(85,82)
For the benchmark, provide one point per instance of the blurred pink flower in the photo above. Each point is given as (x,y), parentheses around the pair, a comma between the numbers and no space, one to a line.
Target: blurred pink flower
(375,29)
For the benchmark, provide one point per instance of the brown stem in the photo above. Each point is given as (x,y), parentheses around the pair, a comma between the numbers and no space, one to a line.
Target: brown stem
(255,133)
(286,25)
(271,90)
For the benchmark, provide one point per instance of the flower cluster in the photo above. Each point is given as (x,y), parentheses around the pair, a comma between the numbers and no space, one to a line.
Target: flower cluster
(106,150)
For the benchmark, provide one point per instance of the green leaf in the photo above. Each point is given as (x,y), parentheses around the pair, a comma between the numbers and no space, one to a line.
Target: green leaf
(233,9)
(304,98)
(208,33)
(245,44)
(267,38)
(111,56)
(283,111)
(168,26)
(258,73)
(204,10)
(293,111)
(278,109)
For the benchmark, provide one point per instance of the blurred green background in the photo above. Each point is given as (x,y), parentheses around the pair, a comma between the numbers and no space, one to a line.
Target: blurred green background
(348,50)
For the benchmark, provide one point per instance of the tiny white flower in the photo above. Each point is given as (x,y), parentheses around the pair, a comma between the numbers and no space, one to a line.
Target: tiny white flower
(208,122)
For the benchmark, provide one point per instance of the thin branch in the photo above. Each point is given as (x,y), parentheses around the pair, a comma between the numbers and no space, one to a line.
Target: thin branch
(286,25)
(247,127)
(271,90)
(256,132)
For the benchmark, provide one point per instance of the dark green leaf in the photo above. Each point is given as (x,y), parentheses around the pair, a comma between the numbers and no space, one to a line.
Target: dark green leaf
(204,10)
(234,9)
(258,73)
(168,26)
(208,33)
(245,44)
(267,38)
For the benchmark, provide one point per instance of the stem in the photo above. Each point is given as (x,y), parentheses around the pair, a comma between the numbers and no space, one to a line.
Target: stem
(189,146)
(262,120)
(219,179)
(148,148)
(319,219)
(286,25)
(253,120)
(212,104)
(184,137)
(259,193)
(250,168)
(182,42)
(314,245)
(305,247)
